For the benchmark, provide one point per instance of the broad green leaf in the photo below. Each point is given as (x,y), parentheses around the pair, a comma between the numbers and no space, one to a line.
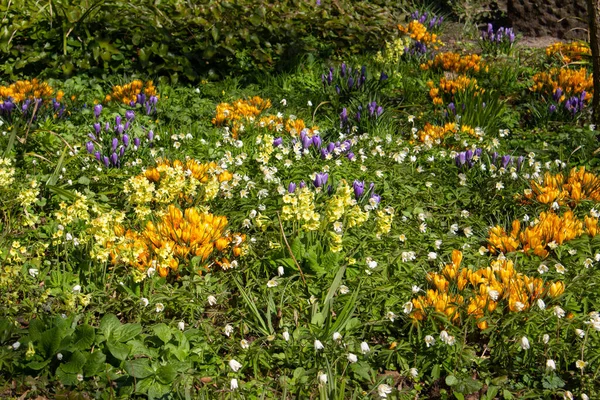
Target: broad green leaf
(139,368)
(119,350)
(163,332)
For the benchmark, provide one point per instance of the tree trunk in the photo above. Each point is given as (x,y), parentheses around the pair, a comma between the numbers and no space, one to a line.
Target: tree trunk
(594,29)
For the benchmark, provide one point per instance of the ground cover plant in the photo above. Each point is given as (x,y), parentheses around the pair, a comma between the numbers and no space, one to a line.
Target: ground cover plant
(413,222)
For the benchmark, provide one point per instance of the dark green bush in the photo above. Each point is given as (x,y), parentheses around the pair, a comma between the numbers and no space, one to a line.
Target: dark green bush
(180,39)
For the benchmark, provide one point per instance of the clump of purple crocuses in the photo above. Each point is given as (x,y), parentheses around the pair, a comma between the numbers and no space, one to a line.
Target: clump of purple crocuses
(430,20)
(365,116)
(346,80)
(496,41)
(465,160)
(109,143)
(573,106)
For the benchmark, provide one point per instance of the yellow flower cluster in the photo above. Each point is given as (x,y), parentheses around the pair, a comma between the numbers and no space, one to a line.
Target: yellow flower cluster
(578,185)
(176,238)
(548,231)
(417,31)
(463,293)
(7,172)
(393,51)
(340,212)
(102,230)
(174,181)
(568,52)
(128,93)
(22,90)
(431,134)
(450,87)
(300,207)
(265,148)
(68,214)
(454,62)
(571,81)
(385,218)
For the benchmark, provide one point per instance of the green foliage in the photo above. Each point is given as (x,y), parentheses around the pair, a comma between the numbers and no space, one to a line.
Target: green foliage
(182,40)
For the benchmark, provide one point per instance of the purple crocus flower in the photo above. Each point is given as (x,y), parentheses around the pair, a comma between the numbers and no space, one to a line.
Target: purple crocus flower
(383,77)
(557,94)
(306,142)
(114,159)
(136,142)
(98,156)
(150,135)
(97,110)
(330,147)
(350,82)
(291,187)
(376,198)
(506,160)
(120,129)
(115,143)
(277,142)
(552,108)
(89,146)
(520,162)
(92,136)
(494,157)
(107,127)
(126,140)
(302,184)
(343,70)
(118,120)
(97,128)
(350,156)
(129,115)
(359,188)
(106,161)
(321,179)
(316,140)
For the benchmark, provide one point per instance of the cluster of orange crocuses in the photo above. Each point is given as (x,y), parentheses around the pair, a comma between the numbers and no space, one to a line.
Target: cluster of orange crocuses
(572,82)
(461,293)
(247,112)
(571,189)
(436,133)
(550,230)
(568,52)
(417,31)
(128,93)
(454,62)
(28,89)
(176,238)
(449,87)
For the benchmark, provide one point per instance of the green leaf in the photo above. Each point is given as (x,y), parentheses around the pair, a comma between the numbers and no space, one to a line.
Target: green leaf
(157,390)
(139,368)
(83,337)
(109,324)
(94,364)
(435,372)
(75,364)
(50,341)
(451,380)
(163,332)
(166,374)
(38,365)
(127,332)
(119,350)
